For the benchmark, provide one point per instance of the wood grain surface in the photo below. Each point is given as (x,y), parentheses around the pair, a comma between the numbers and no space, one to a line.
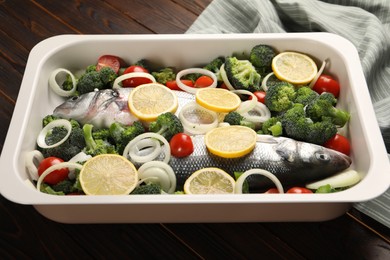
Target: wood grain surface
(25,234)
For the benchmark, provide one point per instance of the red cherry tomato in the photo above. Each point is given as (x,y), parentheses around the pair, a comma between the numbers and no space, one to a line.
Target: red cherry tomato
(203,81)
(326,83)
(109,61)
(298,190)
(173,85)
(181,145)
(272,190)
(136,81)
(339,143)
(260,96)
(223,85)
(55,176)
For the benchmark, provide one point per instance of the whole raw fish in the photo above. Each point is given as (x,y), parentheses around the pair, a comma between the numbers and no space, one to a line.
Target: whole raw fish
(102,108)
(293,162)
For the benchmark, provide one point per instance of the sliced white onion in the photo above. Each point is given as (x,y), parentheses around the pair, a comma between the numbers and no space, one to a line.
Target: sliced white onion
(269,175)
(224,77)
(57,88)
(145,150)
(57,166)
(264,81)
(192,90)
(343,179)
(248,105)
(313,82)
(32,161)
(56,123)
(190,116)
(132,75)
(160,172)
(261,109)
(80,157)
(166,148)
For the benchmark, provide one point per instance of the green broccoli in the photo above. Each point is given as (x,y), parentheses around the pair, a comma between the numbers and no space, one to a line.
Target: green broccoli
(167,125)
(73,144)
(96,146)
(297,126)
(102,133)
(90,68)
(273,126)
(234,118)
(215,65)
(323,107)
(90,81)
(46,188)
(261,57)
(305,95)
(164,75)
(242,74)
(145,189)
(280,97)
(123,134)
(66,186)
(107,76)
(68,83)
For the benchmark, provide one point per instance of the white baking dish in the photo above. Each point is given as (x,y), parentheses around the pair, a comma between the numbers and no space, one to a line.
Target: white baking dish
(77,51)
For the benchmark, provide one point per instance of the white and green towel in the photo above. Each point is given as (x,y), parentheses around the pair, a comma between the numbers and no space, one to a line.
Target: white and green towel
(365,23)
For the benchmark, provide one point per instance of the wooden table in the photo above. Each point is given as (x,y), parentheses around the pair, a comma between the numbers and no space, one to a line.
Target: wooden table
(26,234)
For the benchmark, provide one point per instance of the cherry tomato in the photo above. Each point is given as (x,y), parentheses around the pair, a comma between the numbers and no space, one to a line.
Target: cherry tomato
(260,96)
(339,143)
(173,85)
(223,85)
(203,81)
(298,190)
(326,83)
(181,145)
(272,190)
(55,176)
(136,81)
(110,61)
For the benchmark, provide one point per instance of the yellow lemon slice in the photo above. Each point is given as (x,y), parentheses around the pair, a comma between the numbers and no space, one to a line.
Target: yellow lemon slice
(294,67)
(108,174)
(209,181)
(148,101)
(231,141)
(217,99)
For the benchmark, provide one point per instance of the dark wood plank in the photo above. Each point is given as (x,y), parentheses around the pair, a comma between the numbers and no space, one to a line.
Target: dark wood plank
(194,6)
(91,17)
(157,15)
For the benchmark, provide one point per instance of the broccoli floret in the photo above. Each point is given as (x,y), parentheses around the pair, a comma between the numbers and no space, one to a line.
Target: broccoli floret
(297,126)
(146,64)
(150,188)
(88,82)
(66,186)
(123,134)
(215,65)
(280,97)
(261,57)
(68,83)
(164,75)
(234,118)
(242,74)
(323,107)
(167,125)
(107,76)
(49,118)
(96,146)
(305,95)
(45,188)
(90,68)
(272,126)
(72,145)
(102,133)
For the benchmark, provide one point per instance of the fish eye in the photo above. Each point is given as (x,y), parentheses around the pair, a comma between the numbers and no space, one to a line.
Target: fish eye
(322,156)
(115,93)
(74,98)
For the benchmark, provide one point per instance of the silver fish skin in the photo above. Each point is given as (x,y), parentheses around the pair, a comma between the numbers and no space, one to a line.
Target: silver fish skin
(104,107)
(292,162)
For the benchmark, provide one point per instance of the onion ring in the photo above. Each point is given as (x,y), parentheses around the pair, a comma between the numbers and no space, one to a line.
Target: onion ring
(132,75)
(271,176)
(313,82)
(56,123)
(197,127)
(57,88)
(162,172)
(30,159)
(193,90)
(224,77)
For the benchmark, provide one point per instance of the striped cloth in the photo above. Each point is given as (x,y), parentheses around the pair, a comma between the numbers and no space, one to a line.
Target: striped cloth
(365,23)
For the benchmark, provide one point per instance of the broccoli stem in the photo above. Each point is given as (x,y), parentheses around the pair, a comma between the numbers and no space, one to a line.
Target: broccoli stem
(89,141)
(340,117)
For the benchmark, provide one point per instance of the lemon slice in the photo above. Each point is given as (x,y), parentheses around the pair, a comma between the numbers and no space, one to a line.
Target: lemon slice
(294,67)
(209,181)
(217,99)
(148,101)
(231,141)
(108,174)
